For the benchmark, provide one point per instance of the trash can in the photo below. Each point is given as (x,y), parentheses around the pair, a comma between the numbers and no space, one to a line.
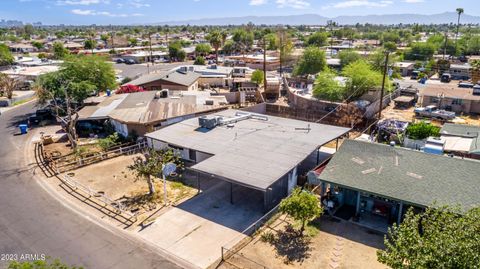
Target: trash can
(23,128)
(109,92)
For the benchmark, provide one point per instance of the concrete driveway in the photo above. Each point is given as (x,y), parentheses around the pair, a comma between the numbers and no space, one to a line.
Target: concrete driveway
(196,230)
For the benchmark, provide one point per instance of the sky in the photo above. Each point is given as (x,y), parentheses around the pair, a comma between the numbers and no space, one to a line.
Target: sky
(105,12)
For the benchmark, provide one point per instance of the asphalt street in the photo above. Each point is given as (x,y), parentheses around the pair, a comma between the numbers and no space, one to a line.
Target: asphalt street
(33,222)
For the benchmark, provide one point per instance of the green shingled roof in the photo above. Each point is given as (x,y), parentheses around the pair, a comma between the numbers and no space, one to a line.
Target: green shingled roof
(406,175)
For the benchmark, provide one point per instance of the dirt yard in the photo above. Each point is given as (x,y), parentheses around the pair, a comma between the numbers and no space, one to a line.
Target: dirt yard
(403,114)
(115,180)
(331,244)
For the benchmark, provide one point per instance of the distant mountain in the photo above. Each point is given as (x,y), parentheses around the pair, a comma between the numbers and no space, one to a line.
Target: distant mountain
(314,19)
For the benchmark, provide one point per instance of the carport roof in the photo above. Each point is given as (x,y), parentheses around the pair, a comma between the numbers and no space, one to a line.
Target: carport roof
(253,153)
(405,175)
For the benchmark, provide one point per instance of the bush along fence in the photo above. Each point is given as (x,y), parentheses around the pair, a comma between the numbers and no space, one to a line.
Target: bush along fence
(71,162)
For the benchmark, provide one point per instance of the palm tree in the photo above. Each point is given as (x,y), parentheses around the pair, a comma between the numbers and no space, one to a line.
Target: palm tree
(460,11)
(215,39)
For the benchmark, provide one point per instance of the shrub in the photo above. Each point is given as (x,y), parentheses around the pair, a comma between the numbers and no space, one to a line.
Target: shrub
(109,141)
(422,130)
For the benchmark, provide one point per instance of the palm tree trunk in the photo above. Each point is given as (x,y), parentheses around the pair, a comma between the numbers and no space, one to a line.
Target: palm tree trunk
(216,55)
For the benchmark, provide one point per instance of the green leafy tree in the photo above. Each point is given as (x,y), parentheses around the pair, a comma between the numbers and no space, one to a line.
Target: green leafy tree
(420,51)
(360,79)
(59,51)
(440,237)
(257,76)
(302,206)
(152,164)
(203,49)
(89,44)
(199,61)
(79,77)
(46,264)
(6,57)
(348,56)
(176,51)
(37,45)
(327,87)
(312,61)
(228,47)
(318,39)
(243,40)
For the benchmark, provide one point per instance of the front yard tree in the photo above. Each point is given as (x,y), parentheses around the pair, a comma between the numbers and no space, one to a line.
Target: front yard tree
(78,77)
(318,39)
(348,56)
(152,165)
(438,238)
(302,206)
(7,85)
(360,79)
(312,61)
(6,57)
(257,76)
(59,51)
(327,87)
(203,49)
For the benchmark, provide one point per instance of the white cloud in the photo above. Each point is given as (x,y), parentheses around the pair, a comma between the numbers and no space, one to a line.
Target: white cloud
(138,3)
(258,2)
(413,1)
(360,3)
(80,2)
(297,4)
(90,12)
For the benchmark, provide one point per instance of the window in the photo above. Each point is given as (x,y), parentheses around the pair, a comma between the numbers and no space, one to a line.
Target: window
(457,102)
(434,100)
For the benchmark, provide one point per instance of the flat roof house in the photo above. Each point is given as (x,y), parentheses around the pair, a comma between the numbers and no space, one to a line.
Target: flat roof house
(144,112)
(405,68)
(461,139)
(171,80)
(451,97)
(263,153)
(374,184)
(460,71)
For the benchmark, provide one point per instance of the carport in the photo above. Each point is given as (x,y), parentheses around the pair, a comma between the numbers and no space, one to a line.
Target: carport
(263,153)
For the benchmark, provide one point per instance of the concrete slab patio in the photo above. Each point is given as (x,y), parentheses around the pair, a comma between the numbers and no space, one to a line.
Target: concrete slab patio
(196,230)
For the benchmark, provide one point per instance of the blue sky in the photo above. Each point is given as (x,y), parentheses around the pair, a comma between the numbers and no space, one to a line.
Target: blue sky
(151,11)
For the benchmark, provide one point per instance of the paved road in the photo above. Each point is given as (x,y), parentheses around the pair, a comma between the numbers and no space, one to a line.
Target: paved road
(33,222)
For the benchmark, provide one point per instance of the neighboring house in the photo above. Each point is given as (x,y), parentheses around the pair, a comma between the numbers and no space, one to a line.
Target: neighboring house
(375,184)
(462,140)
(30,73)
(213,75)
(144,112)
(450,97)
(263,153)
(256,61)
(144,56)
(22,48)
(460,71)
(405,68)
(168,80)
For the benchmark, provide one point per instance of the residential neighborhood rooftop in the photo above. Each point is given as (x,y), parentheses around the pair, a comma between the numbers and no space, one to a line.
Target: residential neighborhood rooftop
(406,175)
(177,77)
(253,152)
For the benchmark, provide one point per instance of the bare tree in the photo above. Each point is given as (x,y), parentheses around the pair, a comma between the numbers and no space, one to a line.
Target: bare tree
(7,85)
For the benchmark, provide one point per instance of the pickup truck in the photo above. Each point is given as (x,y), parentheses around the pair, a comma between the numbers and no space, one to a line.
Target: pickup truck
(434,112)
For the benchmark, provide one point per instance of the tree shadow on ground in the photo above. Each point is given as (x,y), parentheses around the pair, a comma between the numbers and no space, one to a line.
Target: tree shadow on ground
(139,201)
(291,246)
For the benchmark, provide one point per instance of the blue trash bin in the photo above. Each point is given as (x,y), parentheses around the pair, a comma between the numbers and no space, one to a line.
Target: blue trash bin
(23,128)
(109,92)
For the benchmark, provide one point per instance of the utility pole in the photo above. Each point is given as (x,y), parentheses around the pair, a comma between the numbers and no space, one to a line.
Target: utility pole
(387,53)
(264,64)
(150,45)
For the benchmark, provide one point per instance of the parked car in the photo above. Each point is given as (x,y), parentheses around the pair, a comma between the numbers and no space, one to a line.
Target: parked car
(120,61)
(434,112)
(130,61)
(446,78)
(44,114)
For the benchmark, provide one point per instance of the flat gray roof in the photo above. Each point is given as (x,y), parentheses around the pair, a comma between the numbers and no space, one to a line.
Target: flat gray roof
(405,175)
(253,153)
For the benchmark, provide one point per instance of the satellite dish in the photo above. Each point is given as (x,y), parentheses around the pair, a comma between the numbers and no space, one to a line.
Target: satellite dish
(169,168)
